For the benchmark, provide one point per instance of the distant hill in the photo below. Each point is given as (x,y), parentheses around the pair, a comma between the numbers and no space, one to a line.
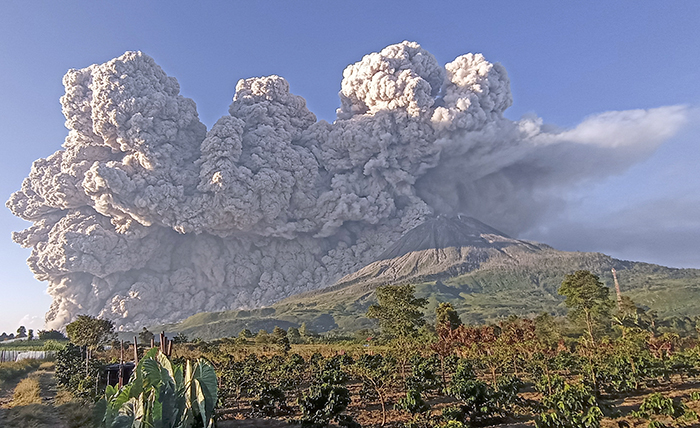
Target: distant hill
(484,273)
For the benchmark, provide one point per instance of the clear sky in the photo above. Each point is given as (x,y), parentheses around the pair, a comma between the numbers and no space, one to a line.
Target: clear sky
(565,60)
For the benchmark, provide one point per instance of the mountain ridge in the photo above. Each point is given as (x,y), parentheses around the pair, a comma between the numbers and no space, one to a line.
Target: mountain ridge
(483,272)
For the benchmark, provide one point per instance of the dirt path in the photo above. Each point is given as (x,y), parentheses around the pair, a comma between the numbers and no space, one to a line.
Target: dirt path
(8,388)
(44,415)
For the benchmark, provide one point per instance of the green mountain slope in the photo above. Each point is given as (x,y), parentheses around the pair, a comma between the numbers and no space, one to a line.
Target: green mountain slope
(485,274)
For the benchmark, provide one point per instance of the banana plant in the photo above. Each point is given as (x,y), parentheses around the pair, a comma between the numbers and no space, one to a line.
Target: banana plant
(161,395)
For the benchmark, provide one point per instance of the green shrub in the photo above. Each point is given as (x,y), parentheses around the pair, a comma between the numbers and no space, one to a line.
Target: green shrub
(323,403)
(53,345)
(574,405)
(72,374)
(657,404)
(479,402)
(271,401)
(413,402)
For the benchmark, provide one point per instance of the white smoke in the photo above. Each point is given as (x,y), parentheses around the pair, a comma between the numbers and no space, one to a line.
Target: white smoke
(145,216)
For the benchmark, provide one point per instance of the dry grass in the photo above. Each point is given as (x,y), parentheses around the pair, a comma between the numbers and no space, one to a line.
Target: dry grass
(26,392)
(30,416)
(47,365)
(12,370)
(63,396)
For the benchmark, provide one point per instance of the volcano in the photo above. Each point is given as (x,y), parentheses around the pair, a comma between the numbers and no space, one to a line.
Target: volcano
(440,247)
(484,273)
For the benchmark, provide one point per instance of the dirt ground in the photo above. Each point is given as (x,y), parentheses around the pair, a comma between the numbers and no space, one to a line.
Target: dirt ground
(55,412)
(51,413)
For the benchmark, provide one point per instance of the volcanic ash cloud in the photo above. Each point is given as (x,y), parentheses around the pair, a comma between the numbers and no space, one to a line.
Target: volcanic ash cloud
(146,216)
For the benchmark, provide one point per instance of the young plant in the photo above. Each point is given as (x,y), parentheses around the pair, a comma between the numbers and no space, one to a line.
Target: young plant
(574,405)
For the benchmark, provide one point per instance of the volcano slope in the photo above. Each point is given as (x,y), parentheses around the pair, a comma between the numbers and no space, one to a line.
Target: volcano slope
(484,273)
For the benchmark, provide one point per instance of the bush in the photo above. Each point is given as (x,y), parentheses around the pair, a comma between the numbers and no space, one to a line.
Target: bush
(480,403)
(322,404)
(413,403)
(53,345)
(657,404)
(71,373)
(572,405)
(271,401)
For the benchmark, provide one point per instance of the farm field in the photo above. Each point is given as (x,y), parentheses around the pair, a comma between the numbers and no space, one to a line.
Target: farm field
(262,384)
(607,364)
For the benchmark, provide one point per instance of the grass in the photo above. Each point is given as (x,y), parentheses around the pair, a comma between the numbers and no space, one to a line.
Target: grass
(13,370)
(27,392)
(26,410)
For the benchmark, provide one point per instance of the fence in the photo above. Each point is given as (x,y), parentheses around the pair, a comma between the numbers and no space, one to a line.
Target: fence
(8,355)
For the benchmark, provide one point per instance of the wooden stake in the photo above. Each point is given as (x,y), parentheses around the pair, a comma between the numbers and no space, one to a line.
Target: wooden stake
(121,365)
(136,351)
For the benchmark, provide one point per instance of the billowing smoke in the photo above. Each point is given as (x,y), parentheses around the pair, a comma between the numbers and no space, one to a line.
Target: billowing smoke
(145,216)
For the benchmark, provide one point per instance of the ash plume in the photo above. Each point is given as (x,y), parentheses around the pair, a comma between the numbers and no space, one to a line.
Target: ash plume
(146,216)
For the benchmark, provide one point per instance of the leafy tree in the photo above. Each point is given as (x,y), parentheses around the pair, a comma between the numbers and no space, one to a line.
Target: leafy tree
(91,333)
(262,337)
(145,337)
(306,332)
(293,335)
(446,316)
(278,333)
(245,334)
(587,300)
(397,310)
(30,334)
(377,374)
(51,335)
(21,331)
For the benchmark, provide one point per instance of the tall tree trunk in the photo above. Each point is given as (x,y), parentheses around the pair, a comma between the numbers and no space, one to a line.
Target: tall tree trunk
(589,325)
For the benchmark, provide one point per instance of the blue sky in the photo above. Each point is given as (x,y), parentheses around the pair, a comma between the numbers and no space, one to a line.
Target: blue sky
(566,61)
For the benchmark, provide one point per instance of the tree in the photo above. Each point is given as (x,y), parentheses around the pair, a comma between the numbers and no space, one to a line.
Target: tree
(278,333)
(378,374)
(293,335)
(51,334)
(262,337)
(446,317)
(587,300)
(21,331)
(181,338)
(145,336)
(30,334)
(305,331)
(91,333)
(245,334)
(397,310)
